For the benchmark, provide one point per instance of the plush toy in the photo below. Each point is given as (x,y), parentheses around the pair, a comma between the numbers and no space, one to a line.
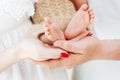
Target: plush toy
(60,10)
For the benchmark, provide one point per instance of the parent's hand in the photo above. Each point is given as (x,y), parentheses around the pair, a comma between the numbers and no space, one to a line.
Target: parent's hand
(86,46)
(36,50)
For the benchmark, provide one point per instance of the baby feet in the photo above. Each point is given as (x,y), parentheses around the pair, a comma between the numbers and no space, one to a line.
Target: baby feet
(52,30)
(80,22)
(78,26)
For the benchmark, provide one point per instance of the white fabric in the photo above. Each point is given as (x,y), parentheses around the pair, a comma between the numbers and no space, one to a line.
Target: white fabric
(14,22)
(106,26)
(98,70)
(107,18)
(17,8)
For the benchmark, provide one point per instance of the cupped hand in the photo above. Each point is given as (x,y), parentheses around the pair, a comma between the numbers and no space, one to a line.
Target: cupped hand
(36,50)
(86,45)
(81,51)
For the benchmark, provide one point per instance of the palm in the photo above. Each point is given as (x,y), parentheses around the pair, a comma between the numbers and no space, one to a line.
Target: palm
(86,46)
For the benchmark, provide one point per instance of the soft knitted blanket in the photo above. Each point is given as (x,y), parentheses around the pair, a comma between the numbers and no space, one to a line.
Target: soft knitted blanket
(60,10)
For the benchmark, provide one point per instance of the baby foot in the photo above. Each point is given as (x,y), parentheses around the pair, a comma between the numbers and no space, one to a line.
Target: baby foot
(52,29)
(80,22)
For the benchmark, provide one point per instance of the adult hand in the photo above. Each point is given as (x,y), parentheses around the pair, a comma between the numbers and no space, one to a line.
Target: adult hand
(36,50)
(86,46)
(30,48)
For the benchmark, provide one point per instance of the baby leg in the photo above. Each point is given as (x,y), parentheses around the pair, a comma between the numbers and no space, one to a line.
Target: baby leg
(52,30)
(79,23)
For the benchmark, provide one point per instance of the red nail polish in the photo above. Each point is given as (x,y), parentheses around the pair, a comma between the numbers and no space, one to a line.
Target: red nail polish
(64,55)
(89,34)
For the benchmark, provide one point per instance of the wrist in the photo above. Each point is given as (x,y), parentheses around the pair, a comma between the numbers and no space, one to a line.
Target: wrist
(108,49)
(20,52)
(14,54)
(9,57)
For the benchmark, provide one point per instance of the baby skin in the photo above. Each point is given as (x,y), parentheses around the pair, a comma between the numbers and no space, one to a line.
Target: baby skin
(77,28)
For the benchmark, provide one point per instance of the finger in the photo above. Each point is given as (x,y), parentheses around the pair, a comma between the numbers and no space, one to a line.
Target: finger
(63,44)
(70,46)
(73,60)
(51,63)
(55,53)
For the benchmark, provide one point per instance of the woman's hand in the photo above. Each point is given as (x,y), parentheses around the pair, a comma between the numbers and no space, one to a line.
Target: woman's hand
(81,51)
(90,48)
(30,48)
(86,45)
(36,50)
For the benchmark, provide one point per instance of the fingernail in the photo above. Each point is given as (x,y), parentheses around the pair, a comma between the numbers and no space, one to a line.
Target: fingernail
(64,55)
(89,34)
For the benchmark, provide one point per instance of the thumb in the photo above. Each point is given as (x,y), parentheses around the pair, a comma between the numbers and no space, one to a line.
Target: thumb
(69,46)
